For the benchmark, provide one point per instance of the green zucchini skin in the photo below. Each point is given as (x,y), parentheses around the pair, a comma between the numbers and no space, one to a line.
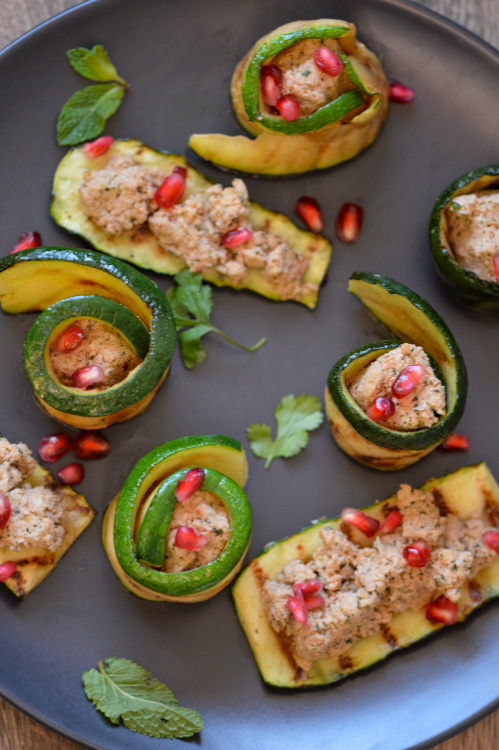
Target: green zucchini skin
(334,133)
(226,458)
(465,492)
(466,286)
(413,320)
(36,279)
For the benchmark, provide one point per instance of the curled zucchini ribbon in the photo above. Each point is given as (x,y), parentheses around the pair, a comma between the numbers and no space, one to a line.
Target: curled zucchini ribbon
(136,523)
(409,317)
(477,293)
(69,284)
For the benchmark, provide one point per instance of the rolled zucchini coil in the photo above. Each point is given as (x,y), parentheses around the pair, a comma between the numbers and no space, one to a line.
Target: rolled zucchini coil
(136,525)
(475,285)
(82,286)
(409,317)
(336,131)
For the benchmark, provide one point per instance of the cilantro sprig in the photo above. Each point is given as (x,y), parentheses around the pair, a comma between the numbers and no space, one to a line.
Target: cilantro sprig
(192,303)
(295,418)
(124,691)
(84,115)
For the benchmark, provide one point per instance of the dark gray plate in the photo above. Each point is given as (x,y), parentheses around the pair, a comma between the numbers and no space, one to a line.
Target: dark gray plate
(178,57)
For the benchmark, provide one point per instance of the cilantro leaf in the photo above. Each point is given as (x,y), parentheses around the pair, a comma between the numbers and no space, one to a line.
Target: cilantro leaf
(191,303)
(124,691)
(94,64)
(295,418)
(84,115)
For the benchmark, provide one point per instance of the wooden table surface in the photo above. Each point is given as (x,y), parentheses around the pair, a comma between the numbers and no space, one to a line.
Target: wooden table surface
(17,731)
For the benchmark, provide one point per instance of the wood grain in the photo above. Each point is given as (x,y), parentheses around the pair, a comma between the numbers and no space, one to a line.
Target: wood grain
(19,732)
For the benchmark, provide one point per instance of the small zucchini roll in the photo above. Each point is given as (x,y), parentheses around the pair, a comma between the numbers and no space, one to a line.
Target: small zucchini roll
(311,94)
(464,238)
(391,403)
(181,525)
(103,345)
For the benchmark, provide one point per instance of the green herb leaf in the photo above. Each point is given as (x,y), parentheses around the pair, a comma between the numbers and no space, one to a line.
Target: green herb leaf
(295,418)
(84,115)
(94,64)
(191,304)
(122,690)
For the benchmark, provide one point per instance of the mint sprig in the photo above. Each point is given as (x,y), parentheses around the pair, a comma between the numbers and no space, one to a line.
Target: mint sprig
(124,691)
(295,418)
(191,304)
(85,114)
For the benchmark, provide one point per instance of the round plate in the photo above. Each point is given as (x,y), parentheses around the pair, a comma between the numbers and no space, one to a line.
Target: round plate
(178,58)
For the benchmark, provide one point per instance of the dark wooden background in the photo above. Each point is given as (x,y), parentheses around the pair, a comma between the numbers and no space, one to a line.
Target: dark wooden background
(17,731)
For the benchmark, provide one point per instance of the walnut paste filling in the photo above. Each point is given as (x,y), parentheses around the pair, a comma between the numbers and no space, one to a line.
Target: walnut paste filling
(364,587)
(120,197)
(421,408)
(473,222)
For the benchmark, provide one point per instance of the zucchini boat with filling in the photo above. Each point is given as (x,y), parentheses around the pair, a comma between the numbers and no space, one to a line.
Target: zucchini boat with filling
(343,594)
(154,210)
(40,519)
(390,403)
(180,527)
(103,345)
(464,238)
(312,95)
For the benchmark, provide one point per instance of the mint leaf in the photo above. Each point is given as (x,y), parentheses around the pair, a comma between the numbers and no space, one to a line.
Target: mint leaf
(191,304)
(84,115)
(295,418)
(94,64)
(124,691)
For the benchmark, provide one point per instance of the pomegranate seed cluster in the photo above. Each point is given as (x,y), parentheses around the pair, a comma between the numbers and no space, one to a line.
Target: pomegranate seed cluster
(400,389)
(419,556)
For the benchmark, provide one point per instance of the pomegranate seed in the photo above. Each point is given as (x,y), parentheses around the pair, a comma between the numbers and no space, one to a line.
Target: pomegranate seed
(171,189)
(313,601)
(270,84)
(391,522)
(187,538)
(27,241)
(70,339)
(98,147)
(7,569)
(491,539)
(187,486)
(381,408)
(400,93)
(328,61)
(309,210)
(495,261)
(71,474)
(407,380)
(368,525)
(236,237)
(5,510)
(288,107)
(87,376)
(349,222)
(89,444)
(53,447)
(307,587)
(417,554)
(442,610)
(298,608)
(455,442)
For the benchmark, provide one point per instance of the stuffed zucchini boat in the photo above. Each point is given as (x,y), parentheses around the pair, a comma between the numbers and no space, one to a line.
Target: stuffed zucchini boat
(180,527)
(464,238)
(312,95)
(103,345)
(154,210)
(390,403)
(39,519)
(343,594)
